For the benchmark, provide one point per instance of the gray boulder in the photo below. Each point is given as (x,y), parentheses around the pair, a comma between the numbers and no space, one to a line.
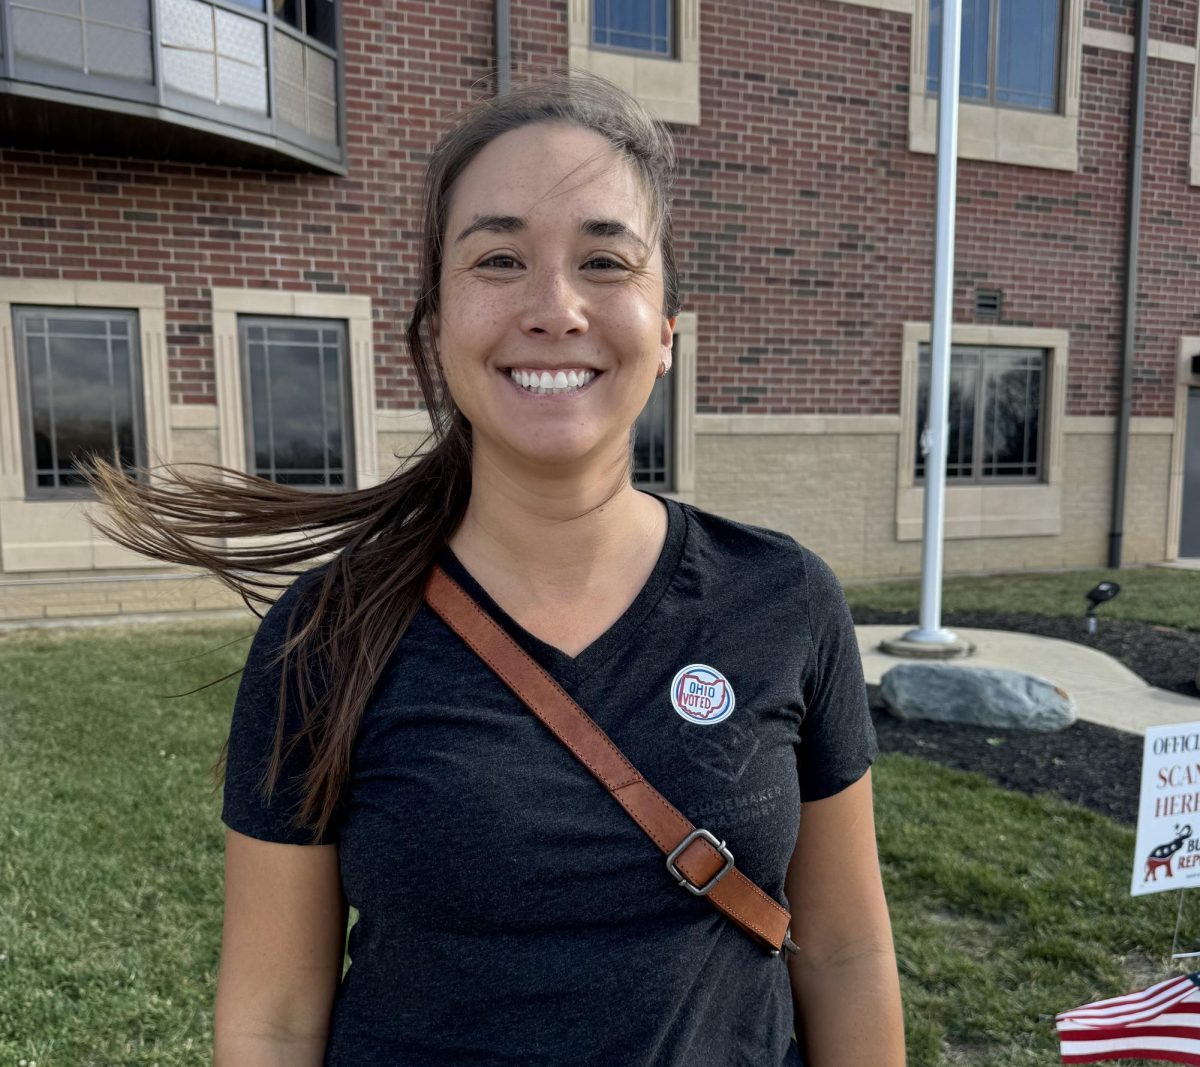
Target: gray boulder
(982,696)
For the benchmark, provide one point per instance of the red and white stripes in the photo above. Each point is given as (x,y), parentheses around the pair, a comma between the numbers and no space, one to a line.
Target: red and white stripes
(1158,1023)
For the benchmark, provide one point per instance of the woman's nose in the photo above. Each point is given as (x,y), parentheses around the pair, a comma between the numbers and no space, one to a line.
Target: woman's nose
(553,308)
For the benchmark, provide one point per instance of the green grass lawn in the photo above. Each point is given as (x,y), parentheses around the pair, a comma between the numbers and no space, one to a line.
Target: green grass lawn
(1160,595)
(1006,908)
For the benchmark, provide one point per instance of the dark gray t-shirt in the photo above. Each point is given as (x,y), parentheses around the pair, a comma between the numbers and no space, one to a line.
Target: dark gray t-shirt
(510,912)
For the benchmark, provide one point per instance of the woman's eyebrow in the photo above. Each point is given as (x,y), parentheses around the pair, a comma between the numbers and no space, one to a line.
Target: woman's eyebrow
(612,228)
(590,227)
(493,224)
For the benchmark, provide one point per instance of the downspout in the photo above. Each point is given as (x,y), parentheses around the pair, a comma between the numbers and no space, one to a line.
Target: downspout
(1137,125)
(503,48)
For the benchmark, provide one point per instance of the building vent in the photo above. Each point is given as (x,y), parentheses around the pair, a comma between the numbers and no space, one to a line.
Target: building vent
(987,304)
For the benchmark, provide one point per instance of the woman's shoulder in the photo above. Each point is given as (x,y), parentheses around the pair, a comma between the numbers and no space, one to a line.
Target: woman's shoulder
(763,559)
(298,594)
(747,541)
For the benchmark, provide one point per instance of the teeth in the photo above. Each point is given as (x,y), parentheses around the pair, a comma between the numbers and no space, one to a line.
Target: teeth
(545,383)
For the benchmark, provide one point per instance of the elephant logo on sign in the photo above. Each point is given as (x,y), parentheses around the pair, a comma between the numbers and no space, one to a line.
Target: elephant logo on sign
(1161,856)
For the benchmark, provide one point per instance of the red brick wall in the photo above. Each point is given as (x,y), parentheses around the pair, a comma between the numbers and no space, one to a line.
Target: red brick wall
(805,225)
(1116,16)
(1169,263)
(1174,21)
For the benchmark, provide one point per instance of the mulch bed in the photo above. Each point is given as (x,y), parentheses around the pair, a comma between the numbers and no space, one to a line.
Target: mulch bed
(1093,766)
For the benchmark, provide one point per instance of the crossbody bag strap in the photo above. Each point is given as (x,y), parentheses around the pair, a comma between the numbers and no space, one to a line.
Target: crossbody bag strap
(697,860)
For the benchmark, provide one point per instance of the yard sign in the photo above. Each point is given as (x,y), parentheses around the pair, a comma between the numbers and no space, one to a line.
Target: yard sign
(1167,854)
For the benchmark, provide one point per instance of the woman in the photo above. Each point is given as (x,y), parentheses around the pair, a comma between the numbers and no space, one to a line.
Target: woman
(509,911)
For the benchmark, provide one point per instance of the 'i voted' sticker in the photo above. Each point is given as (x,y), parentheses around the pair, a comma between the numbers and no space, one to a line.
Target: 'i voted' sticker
(702,694)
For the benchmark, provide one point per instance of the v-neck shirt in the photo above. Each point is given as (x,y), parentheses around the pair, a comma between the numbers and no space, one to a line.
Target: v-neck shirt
(569,669)
(510,911)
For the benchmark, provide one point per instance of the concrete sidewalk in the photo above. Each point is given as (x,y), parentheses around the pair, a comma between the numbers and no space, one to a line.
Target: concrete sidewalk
(1105,691)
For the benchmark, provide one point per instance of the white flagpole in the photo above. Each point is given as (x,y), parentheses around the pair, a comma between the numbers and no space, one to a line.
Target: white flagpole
(930,631)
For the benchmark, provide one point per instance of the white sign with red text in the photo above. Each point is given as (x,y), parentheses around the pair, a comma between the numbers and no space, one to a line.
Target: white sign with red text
(1167,854)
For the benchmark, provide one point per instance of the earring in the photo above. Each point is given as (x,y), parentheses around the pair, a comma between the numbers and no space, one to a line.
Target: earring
(662,371)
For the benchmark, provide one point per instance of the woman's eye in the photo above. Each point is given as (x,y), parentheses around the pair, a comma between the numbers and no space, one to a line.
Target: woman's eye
(500,262)
(604,263)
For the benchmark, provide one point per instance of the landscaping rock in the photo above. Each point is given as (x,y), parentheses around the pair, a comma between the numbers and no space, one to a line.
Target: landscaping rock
(981,696)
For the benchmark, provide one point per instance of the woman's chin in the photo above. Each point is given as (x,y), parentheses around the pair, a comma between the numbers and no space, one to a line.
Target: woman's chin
(556,456)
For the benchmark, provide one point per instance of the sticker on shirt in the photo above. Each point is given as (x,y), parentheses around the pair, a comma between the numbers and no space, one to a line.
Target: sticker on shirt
(702,694)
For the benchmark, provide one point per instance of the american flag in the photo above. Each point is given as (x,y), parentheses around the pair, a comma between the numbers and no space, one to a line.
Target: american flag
(1159,1023)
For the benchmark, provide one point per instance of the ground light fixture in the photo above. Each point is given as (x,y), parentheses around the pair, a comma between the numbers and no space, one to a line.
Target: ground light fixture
(1102,594)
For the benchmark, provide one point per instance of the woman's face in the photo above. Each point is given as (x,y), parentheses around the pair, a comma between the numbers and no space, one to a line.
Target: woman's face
(551,329)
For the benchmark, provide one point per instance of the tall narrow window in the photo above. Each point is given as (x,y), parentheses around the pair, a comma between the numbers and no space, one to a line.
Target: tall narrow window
(296,385)
(1010,52)
(996,403)
(80,390)
(653,462)
(634,26)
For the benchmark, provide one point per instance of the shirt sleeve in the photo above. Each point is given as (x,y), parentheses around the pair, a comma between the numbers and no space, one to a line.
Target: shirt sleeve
(252,737)
(837,738)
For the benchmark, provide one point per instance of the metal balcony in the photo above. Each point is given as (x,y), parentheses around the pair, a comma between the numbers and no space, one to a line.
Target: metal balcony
(245,83)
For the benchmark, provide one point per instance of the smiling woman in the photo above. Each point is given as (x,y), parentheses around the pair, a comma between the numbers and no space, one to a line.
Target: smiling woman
(508,910)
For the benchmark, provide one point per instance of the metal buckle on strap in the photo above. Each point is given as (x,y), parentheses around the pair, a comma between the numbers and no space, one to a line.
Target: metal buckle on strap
(683,879)
(789,946)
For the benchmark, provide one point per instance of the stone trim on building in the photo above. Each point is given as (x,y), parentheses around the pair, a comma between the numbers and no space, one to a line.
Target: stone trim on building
(670,88)
(55,535)
(683,413)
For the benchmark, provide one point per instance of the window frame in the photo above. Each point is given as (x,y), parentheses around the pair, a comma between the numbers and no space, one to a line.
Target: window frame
(54,535)
(228,305)
(1002,134)
(672,52)
(993,59)
(987,509)
(33,491)
(345,405)
(979,432)
(668,86)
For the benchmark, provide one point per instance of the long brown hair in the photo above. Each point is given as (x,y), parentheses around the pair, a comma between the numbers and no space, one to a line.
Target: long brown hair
(383,539)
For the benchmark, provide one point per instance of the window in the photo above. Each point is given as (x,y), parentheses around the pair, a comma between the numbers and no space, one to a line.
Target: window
(1010,52)
(650,48)
(996,403)
(633,25)
(653,433)
(315,18)
(80,389)
(295,381)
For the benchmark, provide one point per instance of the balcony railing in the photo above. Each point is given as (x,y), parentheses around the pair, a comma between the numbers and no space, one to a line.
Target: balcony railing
(265,76)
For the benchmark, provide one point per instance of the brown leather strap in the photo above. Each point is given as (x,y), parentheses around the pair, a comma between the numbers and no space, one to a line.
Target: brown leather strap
(733,893)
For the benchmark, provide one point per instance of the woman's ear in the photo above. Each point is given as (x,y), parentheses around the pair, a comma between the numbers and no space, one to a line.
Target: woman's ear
(668,336)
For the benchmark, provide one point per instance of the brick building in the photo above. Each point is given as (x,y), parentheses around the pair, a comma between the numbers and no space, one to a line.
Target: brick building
(208,217)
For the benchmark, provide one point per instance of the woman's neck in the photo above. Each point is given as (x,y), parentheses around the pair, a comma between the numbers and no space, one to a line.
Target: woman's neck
(555,539)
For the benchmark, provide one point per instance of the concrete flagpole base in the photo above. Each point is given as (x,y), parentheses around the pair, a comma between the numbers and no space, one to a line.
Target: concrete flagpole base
(943,645)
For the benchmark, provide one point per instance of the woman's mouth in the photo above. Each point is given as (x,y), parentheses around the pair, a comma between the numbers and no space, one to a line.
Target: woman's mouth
(551,383)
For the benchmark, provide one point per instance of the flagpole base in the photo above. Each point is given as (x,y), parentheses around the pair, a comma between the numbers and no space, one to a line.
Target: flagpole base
(923,644)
